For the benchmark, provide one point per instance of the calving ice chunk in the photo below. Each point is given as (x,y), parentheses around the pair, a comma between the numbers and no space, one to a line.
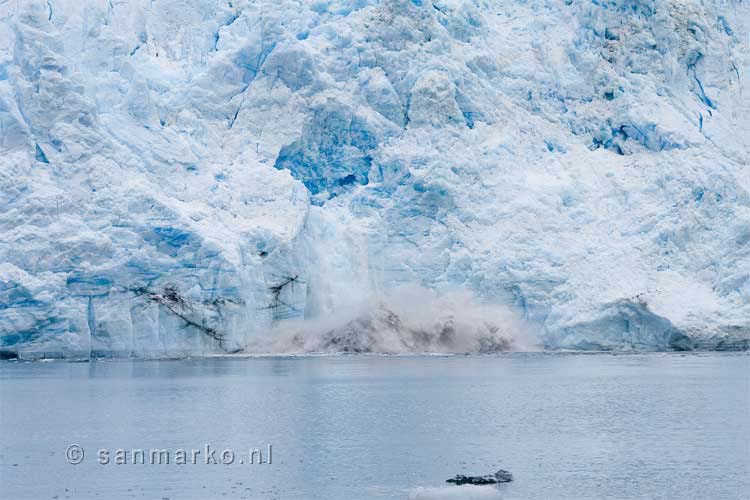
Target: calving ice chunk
(212,177)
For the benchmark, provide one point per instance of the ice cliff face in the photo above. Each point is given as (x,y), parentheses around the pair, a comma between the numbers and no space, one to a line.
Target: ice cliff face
(185,177)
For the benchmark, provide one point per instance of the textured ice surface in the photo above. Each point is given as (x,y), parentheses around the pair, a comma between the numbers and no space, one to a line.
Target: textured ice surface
(183,177)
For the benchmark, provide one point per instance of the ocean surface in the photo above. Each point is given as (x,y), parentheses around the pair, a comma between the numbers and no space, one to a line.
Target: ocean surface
(568,426)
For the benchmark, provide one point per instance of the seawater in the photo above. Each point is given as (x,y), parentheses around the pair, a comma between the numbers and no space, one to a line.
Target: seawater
(568,426)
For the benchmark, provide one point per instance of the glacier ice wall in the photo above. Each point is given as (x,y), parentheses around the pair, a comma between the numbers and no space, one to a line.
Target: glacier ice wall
(182,178)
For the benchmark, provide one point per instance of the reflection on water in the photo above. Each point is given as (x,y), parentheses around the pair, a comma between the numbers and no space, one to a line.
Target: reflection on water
(661,426)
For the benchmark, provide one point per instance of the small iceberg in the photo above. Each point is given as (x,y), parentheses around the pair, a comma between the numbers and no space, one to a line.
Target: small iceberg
(501,476)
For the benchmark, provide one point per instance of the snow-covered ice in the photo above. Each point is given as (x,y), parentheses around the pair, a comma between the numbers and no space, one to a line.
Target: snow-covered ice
(186,178)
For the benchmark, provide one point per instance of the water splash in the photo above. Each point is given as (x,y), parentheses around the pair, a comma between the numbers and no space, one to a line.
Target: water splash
(405,320)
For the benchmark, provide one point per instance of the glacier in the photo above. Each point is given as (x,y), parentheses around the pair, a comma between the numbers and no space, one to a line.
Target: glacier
(208,177)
